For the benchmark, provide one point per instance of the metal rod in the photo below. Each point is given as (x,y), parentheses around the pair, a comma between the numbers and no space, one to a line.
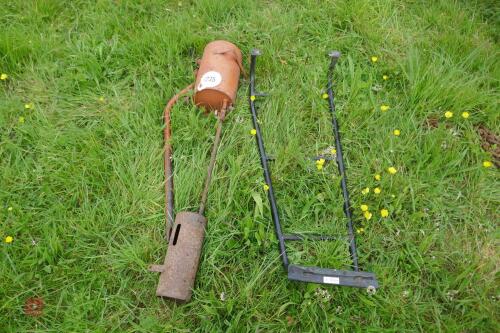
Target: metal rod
(300,237)
(264,159)
(213,158)
(169,177)
(334,55)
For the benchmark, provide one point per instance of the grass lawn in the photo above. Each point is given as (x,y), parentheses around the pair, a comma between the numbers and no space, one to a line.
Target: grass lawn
(81,164)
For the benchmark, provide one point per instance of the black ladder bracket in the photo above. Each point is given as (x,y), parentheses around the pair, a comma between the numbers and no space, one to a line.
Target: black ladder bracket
(332,276)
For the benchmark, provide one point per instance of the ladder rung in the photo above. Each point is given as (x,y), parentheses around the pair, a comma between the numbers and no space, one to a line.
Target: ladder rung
(300,237)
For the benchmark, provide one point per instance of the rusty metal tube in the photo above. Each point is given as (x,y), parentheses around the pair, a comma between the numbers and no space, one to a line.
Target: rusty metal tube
(169,177)
(178,272)
(213,158)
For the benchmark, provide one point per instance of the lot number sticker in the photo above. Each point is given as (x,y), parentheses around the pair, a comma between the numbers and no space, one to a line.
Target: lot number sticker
(209,80)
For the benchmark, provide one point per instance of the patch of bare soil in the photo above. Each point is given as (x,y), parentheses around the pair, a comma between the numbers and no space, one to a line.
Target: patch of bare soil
(490,143)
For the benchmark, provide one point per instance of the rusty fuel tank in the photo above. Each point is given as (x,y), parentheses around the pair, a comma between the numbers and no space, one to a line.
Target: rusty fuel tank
(218,75)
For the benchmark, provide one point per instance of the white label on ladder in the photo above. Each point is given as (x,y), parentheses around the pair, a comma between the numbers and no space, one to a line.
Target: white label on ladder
(209,80)
(331,279)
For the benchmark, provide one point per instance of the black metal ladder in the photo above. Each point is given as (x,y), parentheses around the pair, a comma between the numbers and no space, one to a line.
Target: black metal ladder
(354,278)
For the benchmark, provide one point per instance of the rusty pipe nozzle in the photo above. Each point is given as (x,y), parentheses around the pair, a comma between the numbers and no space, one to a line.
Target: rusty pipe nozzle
(178,272)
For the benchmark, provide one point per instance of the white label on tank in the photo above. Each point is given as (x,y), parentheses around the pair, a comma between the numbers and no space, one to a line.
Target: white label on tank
(209,80)
(331,279)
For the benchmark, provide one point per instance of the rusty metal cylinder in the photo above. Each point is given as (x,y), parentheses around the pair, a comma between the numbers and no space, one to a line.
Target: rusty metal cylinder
(181,263)
(218,75)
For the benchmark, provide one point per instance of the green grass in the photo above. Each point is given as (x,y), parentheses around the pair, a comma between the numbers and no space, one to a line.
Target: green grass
(84,177)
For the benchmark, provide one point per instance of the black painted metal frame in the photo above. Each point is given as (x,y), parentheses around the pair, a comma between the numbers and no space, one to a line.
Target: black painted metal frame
(354,278)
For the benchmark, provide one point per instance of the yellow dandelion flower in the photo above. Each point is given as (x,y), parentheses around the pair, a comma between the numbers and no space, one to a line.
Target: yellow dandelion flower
(365,191)
(321,161)
(324,96)
(266,187)
(333,151)
(4,77)
(465,114)
(448,114)
(8,239)
(384,213)
(252,98)
(385,77)
(374,59)
(360,230)
(367,215)
(253,131)
(487,164)
(319,166)
(28,106)
(377,190)
(396,132)
(364,208)
(377,177)
(21,120)
(384,107)
(392,170)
